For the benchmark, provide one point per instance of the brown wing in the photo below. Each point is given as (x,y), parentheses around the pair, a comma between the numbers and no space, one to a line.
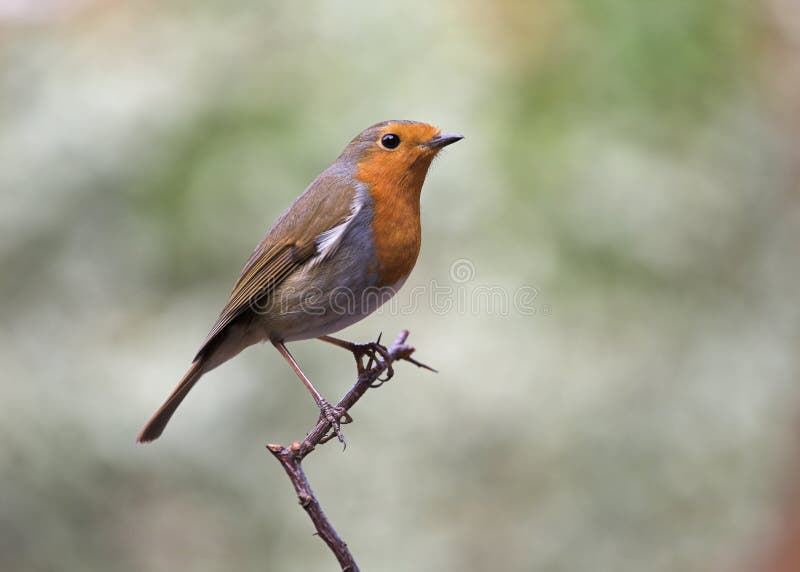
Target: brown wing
(289,244)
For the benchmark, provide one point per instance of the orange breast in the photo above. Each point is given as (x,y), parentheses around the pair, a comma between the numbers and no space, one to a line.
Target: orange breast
(395,190)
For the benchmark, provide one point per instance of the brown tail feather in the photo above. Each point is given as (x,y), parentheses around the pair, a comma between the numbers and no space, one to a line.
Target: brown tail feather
(160,418)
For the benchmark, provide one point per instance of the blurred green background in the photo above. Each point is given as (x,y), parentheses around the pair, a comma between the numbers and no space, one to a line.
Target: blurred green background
(634,162)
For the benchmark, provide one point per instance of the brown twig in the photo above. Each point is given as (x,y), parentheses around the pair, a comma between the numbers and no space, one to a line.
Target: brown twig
(291,458)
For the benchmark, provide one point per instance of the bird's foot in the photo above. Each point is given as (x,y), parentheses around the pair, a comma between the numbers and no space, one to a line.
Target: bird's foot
(337,417)
(376,353)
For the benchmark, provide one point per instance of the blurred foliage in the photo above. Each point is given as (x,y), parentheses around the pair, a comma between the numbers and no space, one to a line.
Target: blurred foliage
(630,160)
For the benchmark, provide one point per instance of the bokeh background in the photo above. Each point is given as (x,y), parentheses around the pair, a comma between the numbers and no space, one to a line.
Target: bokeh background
(633,163)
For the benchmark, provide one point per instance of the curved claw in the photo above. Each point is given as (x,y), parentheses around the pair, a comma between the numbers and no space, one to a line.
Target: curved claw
(374,349)
(334,415)
(371,351)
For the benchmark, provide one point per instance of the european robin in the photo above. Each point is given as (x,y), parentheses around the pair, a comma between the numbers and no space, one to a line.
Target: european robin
(340,250)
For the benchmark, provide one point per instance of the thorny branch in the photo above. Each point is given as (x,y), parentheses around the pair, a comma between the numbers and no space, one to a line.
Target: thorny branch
(379,360)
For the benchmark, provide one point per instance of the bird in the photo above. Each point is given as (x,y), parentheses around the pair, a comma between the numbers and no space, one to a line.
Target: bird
(343,247)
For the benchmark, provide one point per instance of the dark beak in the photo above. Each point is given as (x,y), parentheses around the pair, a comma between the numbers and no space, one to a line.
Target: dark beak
(443,140)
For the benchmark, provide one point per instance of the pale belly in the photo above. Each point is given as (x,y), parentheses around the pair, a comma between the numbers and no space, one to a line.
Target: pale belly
(325,297)
(319,312)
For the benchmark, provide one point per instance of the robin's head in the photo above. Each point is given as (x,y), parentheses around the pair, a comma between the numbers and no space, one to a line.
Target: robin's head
(391,160)
(397,151)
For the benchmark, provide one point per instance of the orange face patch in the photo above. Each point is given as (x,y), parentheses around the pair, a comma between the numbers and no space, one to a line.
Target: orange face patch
(394,178)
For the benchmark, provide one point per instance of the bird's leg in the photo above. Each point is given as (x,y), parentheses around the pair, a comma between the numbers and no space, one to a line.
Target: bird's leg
(332,414)
(360,350)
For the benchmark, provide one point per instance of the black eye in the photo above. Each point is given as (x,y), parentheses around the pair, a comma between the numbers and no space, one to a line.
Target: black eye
(390,141)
